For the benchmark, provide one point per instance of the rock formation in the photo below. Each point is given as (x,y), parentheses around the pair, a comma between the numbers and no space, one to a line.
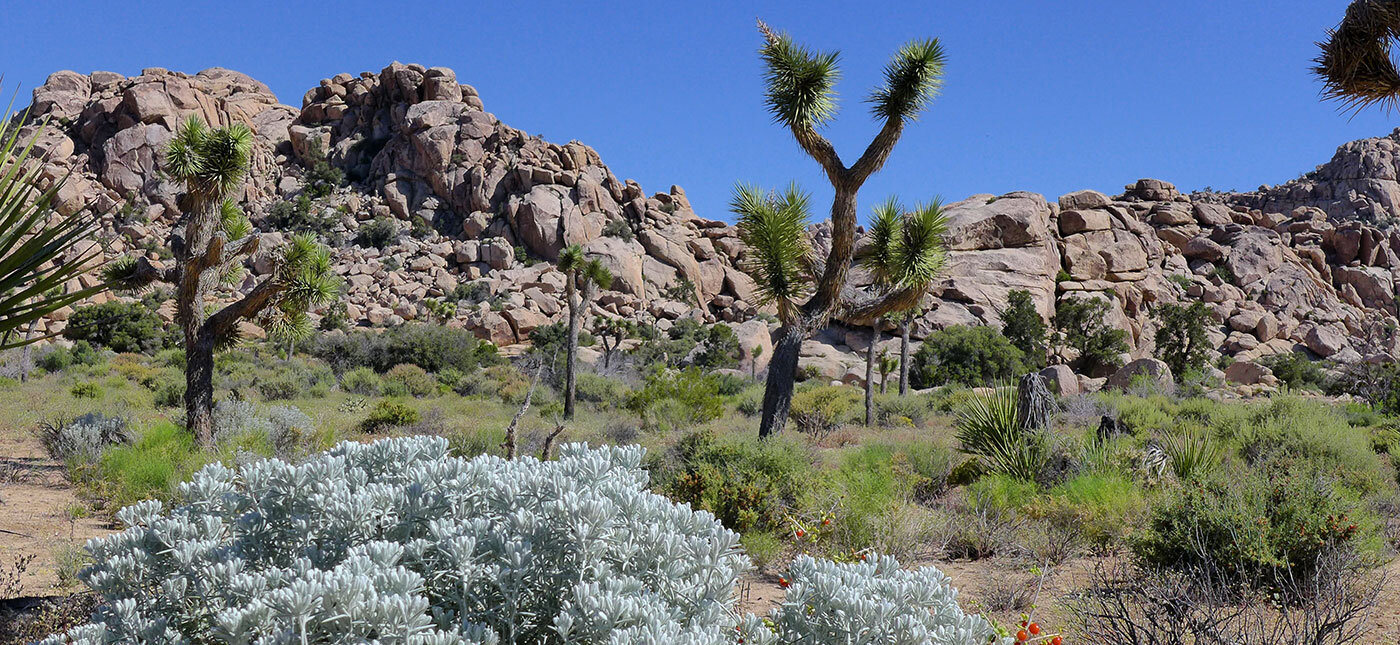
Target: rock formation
(481,205)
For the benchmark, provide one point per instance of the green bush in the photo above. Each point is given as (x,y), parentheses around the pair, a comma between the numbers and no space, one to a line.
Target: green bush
(56,358)
(895,410)
(86,390)
(431,347)
(150,468)
(1181,340)
(301,215)
(1002,492)
(1296,370)
(595,388)
(965,355)
(378,233)
(1257,524)
(750,486)
(168,393)
(118,326)
(818,411)
(989,427)
(362,381)
(1102,507)
(677,399)
(1079,325)
(408,380)
(1022,325)
(389,413)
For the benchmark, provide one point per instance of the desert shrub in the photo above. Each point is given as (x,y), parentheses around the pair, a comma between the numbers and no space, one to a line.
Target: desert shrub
(749,404)
(1378,384)
(718,348)
(301,215)
(689,343)
(408,380)
(1191,452)
(336,317)
(595,388)
(988,427)
(966,356)
(56,358)
(1102,507)
(866,489)
(1259,524)
(748,486)
(280,386)
(435,570)
(148,468)
(431,347)
(292,432)
(1181,340)
(168,392)
(84,439)
(86,390)
(677,399)
(1296,370)
(618,228)
(1079,325)
(928,465)
(362,381)
(1003,493)
(1024,328)
(389,413)
(118,326)
(818,411)
(895,410)
(322,178)
(378,233)
(234,417)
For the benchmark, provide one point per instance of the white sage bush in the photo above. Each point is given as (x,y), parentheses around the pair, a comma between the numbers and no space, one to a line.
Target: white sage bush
(84,439)
(397,542)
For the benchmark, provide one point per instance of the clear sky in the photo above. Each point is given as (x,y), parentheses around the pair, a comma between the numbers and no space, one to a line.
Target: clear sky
(1042,96)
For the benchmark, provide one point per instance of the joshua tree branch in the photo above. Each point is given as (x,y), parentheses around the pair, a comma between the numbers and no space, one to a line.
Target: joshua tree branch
(878,152)
(222,322)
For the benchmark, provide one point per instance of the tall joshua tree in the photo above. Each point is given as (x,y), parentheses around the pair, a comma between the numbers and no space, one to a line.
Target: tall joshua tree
(808,290)
(902,250)
(209,250)
(583,278)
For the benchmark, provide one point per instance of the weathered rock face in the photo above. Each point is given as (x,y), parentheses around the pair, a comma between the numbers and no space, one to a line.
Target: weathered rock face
(483,208)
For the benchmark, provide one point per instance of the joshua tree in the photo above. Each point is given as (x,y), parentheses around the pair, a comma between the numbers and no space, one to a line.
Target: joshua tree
(887,364)
(210,249)
(808,290)
(901,250)
(612,331)
(1355,65)
(756,352)
(39,251)
(906,319)
(583,278)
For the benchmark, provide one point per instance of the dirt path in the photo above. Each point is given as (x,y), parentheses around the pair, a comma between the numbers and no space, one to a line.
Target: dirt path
(34,515)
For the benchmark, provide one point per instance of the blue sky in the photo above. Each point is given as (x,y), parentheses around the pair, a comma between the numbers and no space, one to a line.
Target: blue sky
(1042,96)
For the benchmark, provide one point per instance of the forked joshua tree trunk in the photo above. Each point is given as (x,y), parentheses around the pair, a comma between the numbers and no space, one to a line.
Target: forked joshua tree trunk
(870,374)
(583,276)
(904,354)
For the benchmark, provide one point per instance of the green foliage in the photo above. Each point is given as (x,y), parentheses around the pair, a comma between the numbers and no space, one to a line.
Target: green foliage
(150,468)
(800,83)
(431,347)
(378,233)
(335,318)
(719,348)
(168,392)
(1296,370)
(118,326)
(988,427)
(1079,325)
(618,228)
(407,379)
(594,388)
(1102,507)
(819,410)
(1378,384)
(321,178)
(1181,340)
(301,215)
(1003,492)
(673,399)
(389,413)
(749,486)
(86,390)
(965,355)
(56,358)
(39,249)
(1257,524)
(774,229)
(1022,325)
(362,381)
(1192,453)
(905,249)
(689,343)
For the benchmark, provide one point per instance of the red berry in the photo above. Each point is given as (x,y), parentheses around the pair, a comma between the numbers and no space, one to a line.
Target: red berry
(1056,641)
(1021,636)
(801,533)
(1035,629)
(783,582)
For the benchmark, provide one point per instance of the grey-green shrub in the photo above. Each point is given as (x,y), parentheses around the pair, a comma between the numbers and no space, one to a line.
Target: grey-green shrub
(408,380)
(347,549)
(361,380)
(84,439)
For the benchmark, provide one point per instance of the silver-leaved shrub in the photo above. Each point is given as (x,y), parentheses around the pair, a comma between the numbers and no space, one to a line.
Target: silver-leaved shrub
(397,542)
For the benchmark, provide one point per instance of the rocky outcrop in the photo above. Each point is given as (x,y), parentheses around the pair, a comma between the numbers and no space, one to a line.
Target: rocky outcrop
(482,209)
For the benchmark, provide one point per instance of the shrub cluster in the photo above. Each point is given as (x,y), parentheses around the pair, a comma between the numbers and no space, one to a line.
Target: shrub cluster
(118,326)
(965,355)
(431,347)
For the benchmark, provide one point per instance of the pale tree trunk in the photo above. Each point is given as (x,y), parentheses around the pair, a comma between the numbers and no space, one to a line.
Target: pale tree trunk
(904,356)
(870,374)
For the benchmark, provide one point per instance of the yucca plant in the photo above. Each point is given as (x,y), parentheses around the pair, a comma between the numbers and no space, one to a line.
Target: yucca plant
(988,426)
(902,250)
(39,249)
(583,277)
(215,239)
(1355,63)
(808,290)
(1190,451)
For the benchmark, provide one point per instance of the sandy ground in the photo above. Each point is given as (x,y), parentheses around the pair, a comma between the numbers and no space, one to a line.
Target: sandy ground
(34,519)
